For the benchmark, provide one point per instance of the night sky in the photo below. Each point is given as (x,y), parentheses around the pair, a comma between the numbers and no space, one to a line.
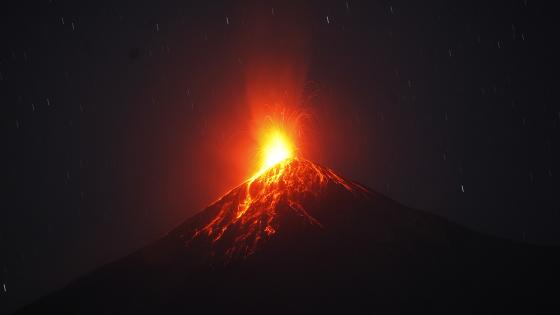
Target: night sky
(121,120)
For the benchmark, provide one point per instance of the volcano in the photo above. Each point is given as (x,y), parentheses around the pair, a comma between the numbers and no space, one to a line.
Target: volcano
(296,238)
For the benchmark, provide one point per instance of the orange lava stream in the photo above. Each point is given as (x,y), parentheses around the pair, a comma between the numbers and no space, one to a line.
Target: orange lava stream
(249,214)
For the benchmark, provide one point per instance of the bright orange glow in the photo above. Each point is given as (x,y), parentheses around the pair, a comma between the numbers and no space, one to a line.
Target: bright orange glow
(250,214)
(278,136)
(276,148)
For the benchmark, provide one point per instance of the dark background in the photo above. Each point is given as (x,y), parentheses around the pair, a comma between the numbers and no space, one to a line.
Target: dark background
(121,120)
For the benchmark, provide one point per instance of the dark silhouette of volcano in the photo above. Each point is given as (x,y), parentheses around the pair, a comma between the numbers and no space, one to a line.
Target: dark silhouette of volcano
(299,238)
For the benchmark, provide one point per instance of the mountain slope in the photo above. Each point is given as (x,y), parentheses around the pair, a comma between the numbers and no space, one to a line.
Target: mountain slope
(299,238)
(252,213)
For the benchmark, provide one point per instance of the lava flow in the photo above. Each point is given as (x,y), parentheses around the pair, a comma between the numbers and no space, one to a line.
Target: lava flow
(251,213)
(284,188)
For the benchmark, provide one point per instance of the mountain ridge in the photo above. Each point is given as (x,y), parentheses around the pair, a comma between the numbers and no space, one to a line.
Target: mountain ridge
(250,209)
(297,237)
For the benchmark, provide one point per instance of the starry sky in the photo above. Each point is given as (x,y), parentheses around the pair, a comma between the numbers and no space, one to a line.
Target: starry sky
(122,119)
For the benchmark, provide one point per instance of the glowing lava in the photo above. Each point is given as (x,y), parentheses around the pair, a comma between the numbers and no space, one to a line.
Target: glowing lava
(285,188)
(252,213)
(276,148)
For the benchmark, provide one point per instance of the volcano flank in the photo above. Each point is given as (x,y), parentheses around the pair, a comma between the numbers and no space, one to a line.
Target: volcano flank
(284,195)
(297,237)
